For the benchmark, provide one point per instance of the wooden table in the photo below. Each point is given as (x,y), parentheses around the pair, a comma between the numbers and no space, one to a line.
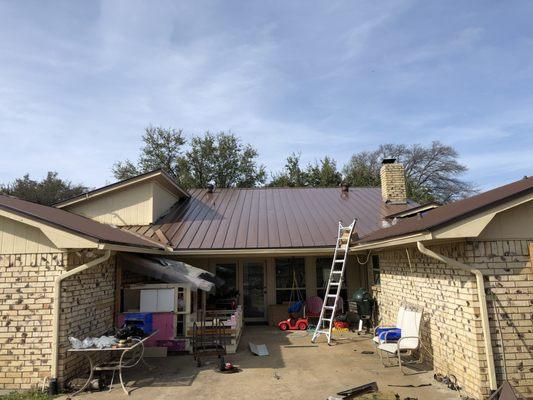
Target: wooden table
(123,362)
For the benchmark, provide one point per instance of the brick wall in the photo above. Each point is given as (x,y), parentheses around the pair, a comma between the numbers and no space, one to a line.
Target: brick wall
(26,297)
(87,309)
(392,178)
(451,329)
(26,286)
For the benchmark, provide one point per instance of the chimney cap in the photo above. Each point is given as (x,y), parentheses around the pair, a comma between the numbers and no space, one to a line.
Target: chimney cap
(388,161)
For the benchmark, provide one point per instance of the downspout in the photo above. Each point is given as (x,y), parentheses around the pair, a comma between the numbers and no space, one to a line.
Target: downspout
(57,309)
(482,301)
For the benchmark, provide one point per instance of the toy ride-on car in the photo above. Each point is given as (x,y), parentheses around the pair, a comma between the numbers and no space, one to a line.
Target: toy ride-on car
(293,324)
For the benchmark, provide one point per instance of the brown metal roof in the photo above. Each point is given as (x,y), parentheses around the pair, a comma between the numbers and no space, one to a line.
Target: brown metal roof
(73,223)
(267,217)
(449,213)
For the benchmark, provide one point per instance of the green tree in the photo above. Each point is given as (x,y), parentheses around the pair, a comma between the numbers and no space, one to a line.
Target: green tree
(322,173)
(220,158)
(223,159)
(292,174)
(432,172)
(163,148)
(50,190)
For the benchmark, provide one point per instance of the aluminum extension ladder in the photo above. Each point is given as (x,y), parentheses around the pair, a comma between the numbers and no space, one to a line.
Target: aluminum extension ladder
(336,277)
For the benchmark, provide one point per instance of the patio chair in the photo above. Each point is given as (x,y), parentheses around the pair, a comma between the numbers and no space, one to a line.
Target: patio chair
(313,306)
(380,330)
(408,342)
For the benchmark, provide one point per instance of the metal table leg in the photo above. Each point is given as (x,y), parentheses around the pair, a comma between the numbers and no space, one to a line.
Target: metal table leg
(120,374)
(91,373)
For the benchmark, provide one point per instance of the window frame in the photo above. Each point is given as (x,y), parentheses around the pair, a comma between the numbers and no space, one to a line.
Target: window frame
(292,261)
(376,270)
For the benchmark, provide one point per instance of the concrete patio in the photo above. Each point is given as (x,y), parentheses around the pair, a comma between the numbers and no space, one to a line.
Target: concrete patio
(287,373)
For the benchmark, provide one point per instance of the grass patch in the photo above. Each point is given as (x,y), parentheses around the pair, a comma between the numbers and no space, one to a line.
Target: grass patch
(26,395)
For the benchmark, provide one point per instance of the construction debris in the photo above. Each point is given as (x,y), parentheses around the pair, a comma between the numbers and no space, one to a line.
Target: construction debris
(355,392)
(504,392)
(412,386)
(258,349)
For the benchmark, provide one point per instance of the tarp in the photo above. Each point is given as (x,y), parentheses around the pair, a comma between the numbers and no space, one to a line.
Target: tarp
(170,271)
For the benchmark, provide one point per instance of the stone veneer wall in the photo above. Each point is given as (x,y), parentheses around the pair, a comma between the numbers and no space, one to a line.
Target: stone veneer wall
(451,328)
(26,298)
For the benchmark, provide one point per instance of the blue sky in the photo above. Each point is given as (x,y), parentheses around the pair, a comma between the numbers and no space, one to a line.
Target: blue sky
(80,80)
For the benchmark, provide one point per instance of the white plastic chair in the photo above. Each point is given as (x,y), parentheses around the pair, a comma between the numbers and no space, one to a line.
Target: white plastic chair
(408,342)
(399,320)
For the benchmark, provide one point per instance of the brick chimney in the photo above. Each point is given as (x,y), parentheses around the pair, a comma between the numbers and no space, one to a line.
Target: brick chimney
(392,176)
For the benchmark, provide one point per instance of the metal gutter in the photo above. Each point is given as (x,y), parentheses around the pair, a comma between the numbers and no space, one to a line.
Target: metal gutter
(482,301)
(57,308)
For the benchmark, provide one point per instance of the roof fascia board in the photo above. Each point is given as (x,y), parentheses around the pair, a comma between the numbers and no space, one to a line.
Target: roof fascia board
(221,252)
(474,225)
(122,185)
(166,183)
(413,211)
(60,238)
(256,252)
(134,249)
(396,241)
(466,227)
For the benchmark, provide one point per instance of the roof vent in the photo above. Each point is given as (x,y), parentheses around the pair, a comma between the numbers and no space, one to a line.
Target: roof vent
(345,187)
(210,188)
(388,161)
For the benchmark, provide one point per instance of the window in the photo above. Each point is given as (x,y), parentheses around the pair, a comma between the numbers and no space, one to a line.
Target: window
(290,275)
(323,268)
(226,296)
(228,273)
(376,278)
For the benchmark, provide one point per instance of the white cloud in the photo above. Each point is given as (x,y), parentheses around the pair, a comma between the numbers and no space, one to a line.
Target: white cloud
(78,85)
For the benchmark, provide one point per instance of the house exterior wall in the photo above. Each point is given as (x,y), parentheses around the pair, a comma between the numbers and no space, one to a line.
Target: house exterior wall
(140,204)
(129,206)
(514,223)
(26,298)
(356,274)
(451,329)
(162,201)
(19,238)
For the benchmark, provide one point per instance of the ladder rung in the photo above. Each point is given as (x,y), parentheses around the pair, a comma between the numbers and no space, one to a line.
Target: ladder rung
(331,295)
(339,261)
(326,319)
(329,307)
(336,272)
(334,283)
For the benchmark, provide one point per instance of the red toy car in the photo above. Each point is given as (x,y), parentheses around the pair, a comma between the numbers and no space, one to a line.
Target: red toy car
(294,324)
